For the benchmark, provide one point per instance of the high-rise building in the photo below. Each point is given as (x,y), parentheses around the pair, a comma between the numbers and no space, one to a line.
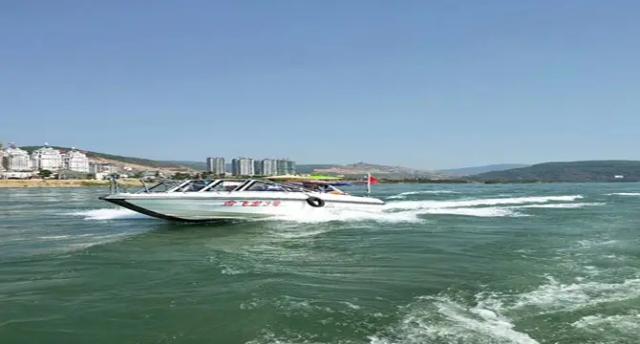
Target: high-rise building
(242,167)
(285,166)
(74,160)
(47,158)
(216,166)
(291,167)
(16,159)
(1,159)
(281,167)
(269,167)
(235,167)
(257,168)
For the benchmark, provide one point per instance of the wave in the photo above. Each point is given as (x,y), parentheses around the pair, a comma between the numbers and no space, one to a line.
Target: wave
(562,205)
(411,211)
(625,323)
(477,212)
(85,245)
(54,237)
(386,216)
(441,319)
(75,242)
(589,244)
(229,270)
(555,296)
(493,316)
(108,214)
(433,192)
(479,202)
(623,194)
(489,318)
(345,215)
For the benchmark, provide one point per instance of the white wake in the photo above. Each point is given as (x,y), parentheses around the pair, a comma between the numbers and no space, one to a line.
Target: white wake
(396,211)
(429,204)
(404,195)
(442,319)
(108,214)
(492,318)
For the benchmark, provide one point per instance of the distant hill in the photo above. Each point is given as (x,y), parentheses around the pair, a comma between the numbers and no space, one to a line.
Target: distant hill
(137,163)
(383,171)
(310,168)
(195,165)
(577,171)
(469,171)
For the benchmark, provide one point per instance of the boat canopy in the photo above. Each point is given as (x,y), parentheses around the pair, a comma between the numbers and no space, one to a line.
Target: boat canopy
(230,185)
(305,178)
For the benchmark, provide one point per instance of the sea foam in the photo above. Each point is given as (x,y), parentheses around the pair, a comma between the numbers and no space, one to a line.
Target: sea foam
(404,195)
(350,215)
(413,211)
(626,323)
(562,205)
(442,319)
(555,296)
(431,204)
(108,214)
(492,317)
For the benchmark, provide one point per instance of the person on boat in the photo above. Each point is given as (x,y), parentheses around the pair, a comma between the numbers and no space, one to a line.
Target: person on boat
(323,188)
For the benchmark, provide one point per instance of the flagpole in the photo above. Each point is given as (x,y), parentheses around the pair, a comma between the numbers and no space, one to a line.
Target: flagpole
(368,182)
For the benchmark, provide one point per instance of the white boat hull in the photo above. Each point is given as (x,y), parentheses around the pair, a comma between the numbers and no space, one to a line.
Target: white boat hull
(239,206)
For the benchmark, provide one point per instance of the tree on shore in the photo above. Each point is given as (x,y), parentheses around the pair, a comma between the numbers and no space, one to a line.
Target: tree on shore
(181,176)
(45,173)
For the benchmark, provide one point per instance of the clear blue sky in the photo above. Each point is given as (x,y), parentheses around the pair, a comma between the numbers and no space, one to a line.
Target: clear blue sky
(426,84)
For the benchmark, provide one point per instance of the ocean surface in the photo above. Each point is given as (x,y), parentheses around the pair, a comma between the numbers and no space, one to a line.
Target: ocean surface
(538,263)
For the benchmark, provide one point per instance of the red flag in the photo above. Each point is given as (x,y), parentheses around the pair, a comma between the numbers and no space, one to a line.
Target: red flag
(373,180)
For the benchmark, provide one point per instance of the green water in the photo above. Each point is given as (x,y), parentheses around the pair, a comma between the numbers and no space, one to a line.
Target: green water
(554,263)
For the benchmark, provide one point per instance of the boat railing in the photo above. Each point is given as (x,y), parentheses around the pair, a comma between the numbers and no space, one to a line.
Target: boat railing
(199,185)
(164,185)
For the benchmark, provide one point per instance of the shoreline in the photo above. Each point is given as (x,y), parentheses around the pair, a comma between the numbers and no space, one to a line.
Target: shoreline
(135,183)
(66,183)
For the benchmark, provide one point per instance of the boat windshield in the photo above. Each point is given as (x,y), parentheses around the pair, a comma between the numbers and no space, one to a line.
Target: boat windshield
(163,186)
(225,185)
(192,186)
(266,186)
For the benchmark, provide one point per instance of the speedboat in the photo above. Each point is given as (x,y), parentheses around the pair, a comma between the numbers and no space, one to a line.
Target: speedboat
(223,199)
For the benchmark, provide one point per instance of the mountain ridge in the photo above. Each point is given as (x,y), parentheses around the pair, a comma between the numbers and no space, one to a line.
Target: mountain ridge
(572,171)
(385,171)
(473,170)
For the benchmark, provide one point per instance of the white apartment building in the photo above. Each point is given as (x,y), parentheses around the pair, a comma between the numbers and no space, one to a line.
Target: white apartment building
(242,167)
(269,167)
(47,158)
(16,159)
(285,166)
(76,161)
(216,166)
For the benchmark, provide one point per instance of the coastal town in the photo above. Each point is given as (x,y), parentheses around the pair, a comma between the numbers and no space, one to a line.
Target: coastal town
(17,163)
(47,162)
(251,167)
